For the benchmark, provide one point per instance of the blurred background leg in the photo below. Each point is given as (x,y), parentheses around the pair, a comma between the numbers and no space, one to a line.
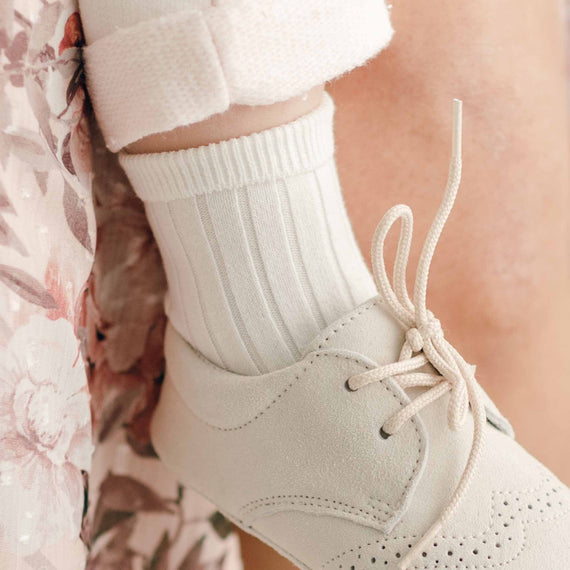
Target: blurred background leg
(500,281)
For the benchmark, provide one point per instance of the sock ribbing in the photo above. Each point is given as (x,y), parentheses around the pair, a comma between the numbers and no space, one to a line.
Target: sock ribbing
(273,154)
(256,241)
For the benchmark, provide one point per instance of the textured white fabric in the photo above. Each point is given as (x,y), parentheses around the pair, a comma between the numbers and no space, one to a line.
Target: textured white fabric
(152,75)
(256,241)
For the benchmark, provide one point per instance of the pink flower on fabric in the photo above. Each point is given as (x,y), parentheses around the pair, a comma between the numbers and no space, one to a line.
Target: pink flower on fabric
(45,430)
(73,34)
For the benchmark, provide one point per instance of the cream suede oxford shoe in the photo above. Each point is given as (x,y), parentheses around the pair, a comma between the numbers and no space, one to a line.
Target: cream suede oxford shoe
(377,450)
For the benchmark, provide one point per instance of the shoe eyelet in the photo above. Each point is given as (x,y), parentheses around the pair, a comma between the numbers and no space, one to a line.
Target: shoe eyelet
(347,386)
(384,434)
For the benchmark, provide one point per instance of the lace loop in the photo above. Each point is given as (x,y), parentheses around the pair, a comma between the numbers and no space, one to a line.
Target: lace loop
(425,342)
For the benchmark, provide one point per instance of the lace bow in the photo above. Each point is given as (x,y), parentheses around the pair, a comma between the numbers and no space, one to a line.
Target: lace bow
(425,342)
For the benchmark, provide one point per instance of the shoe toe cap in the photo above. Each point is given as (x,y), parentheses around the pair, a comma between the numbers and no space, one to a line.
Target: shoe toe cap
(547,532)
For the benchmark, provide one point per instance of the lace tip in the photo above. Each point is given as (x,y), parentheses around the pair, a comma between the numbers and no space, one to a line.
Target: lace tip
(457,128)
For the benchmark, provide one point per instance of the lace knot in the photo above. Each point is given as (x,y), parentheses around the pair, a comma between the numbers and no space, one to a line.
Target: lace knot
(418,336)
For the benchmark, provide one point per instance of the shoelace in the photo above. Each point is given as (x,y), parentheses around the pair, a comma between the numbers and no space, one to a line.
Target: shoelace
(424,339)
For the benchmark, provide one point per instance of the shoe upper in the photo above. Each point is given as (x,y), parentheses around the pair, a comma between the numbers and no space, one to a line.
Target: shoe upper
(299,458)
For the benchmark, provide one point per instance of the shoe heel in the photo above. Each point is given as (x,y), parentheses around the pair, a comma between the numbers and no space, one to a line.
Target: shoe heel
(169,426)
(169,429)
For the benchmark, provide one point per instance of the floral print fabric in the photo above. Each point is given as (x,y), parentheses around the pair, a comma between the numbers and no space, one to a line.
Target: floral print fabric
(45,432)
(81,326)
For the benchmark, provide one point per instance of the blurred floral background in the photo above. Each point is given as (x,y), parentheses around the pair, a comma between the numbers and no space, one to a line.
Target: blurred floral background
(81,327)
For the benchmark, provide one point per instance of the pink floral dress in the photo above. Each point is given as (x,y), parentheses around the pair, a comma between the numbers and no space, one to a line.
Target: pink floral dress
(81,326)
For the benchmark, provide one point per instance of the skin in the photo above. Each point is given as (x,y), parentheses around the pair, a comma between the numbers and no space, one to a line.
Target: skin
(239,120)
(500,279)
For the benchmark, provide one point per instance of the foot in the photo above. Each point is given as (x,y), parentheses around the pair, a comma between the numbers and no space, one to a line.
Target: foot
(378,449)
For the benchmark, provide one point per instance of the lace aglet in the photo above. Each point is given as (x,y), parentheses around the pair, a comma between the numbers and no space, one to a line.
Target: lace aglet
(457,128)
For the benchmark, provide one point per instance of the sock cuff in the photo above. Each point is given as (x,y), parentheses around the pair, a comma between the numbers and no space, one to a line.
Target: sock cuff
(279,152)
(183,67)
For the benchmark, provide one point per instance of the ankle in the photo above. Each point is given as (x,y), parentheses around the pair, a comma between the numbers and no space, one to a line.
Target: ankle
(239,120)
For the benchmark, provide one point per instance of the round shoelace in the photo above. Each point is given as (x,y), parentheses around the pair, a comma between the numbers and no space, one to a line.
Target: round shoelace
(425,342)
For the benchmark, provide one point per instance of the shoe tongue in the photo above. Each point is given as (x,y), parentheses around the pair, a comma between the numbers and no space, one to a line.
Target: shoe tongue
(368,330)
(372,332)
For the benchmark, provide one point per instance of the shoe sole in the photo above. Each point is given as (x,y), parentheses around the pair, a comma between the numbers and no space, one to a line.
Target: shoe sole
(170,420)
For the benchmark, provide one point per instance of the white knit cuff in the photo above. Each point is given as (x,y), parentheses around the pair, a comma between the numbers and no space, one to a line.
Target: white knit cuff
(184,67)
(294,148)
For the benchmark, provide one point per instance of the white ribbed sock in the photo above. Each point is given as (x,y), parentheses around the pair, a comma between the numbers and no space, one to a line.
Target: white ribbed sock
(256,242)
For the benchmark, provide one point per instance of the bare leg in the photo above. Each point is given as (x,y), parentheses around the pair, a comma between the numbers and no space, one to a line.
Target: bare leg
(239,120)
(500,282)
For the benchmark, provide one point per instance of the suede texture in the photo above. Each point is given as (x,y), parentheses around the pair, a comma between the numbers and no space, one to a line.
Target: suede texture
(297,459)
(319,440)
